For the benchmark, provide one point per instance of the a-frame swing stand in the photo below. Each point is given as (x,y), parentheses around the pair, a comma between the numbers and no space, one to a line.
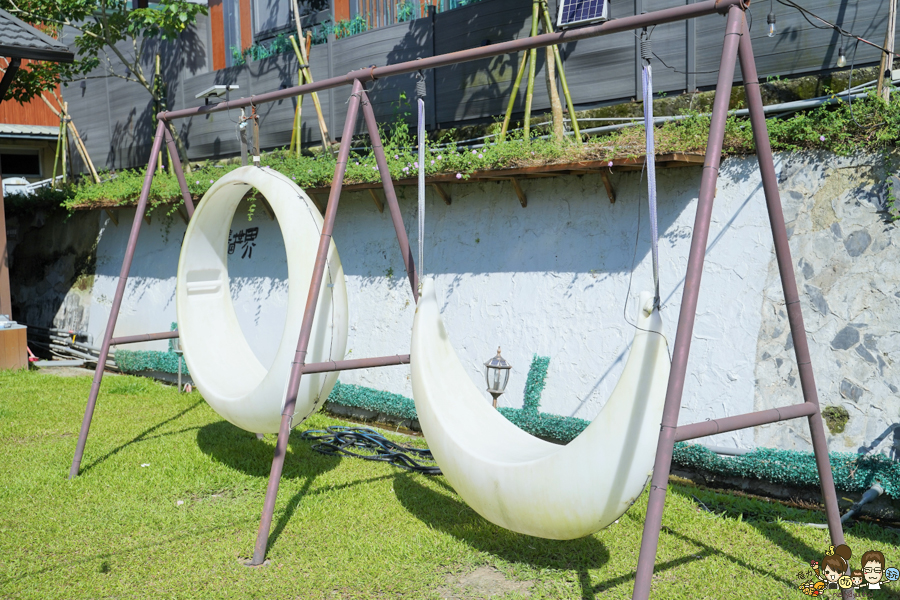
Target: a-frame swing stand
(736,46)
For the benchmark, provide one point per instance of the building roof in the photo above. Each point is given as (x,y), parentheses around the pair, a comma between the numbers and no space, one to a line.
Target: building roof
(8,130)
(18,39)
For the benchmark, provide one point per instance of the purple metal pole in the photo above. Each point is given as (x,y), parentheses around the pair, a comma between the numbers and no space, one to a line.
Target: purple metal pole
(763,417)
(143,337)
(789,286)
(664,449)
(390,195)
(284,431)
(358,363)
(659,17)
(117,301)
(179,171)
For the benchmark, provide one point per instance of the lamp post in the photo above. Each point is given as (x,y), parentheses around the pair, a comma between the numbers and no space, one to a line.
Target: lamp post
(496,374)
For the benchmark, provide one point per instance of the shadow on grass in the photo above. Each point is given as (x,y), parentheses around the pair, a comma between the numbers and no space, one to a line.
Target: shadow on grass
(452,516)
(141,437)
(243,451)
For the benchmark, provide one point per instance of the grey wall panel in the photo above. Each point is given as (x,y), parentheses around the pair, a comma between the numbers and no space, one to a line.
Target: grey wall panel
(276,118)
(131,125)
(213,135)
(481,88)
(114,116)
(387,45)
(90,113)
(602,69)
(798,47)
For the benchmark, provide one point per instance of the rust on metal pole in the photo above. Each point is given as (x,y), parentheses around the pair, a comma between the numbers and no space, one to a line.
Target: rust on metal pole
(789,286)
(284,431)
(754,419)
(659,17)
(117,300)
(665,447)
(390,195)
(358,363)
(143,337)
(179,171)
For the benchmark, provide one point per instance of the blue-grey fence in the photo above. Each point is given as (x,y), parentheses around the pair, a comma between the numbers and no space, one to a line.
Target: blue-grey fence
(115,117)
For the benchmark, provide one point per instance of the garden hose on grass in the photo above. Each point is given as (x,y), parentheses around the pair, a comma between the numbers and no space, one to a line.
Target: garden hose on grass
(368,444)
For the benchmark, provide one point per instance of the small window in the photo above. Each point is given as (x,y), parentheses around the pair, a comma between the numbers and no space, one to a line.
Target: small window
(24,163)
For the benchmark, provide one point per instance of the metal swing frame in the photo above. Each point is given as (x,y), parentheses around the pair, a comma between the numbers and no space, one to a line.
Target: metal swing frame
(737,46)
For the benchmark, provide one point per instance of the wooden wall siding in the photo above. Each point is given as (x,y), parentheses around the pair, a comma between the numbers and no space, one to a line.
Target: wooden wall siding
(217,31)
(246,25)
(599,71)
(34,112)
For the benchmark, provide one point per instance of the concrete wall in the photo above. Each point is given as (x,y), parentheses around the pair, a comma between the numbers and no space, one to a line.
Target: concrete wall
(560,278)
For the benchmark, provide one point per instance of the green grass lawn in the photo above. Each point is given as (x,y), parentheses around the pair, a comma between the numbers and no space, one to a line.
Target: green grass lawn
(169,499)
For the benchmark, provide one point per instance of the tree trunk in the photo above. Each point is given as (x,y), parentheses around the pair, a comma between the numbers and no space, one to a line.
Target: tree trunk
(555,106)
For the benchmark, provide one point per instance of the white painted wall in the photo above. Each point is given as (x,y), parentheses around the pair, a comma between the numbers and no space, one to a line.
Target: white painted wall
(551,279)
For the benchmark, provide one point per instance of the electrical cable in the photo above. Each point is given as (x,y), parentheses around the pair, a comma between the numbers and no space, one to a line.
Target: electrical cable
(370,445)
(804,11)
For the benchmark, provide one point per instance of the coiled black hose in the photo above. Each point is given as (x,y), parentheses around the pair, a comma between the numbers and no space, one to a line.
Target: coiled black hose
(368,444)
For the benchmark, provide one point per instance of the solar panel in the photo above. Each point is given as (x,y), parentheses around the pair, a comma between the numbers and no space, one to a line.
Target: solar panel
(581,12)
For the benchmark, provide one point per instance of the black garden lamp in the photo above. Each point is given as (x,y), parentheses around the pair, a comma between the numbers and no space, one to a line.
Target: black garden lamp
(496,374)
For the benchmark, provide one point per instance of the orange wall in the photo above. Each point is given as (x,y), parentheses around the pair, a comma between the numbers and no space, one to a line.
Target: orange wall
(217,31)
(34,112)
(246,26)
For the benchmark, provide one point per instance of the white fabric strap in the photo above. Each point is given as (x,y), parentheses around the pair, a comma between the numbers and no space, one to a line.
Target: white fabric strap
(421,104)
(651,176)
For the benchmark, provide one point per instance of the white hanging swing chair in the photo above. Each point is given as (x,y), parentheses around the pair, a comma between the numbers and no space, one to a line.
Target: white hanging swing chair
(222,364)
(518,481)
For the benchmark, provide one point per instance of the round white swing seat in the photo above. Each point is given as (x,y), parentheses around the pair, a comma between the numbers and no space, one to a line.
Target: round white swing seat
(221,363)
(521,482)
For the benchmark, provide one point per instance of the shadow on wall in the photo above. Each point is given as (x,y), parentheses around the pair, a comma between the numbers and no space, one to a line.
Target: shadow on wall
(477,234)
(131,135)
(52,266)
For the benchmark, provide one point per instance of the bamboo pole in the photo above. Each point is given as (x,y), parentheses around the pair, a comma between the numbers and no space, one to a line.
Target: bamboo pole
(159,156)
(532,63)
(65,144)
(82,150)
(63,114)
(548,25)
(298,124)
(887,58)
(304,69)
(512,96)
(62,129)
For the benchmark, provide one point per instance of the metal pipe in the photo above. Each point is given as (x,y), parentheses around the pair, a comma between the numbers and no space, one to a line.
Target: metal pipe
(682,346)
(390,195)
(754,419)
(287,414)
(872,493)
(179,171)
(789,287)
(144,337)
(727,450)
(86,356)
(117,300)
(359,363)
(659,17)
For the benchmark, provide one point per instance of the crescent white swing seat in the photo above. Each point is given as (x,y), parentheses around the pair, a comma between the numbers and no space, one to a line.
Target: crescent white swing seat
(221,363)
(521,482)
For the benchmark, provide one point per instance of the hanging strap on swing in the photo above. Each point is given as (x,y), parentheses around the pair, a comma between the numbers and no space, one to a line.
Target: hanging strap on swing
(420,101)
(647,81)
